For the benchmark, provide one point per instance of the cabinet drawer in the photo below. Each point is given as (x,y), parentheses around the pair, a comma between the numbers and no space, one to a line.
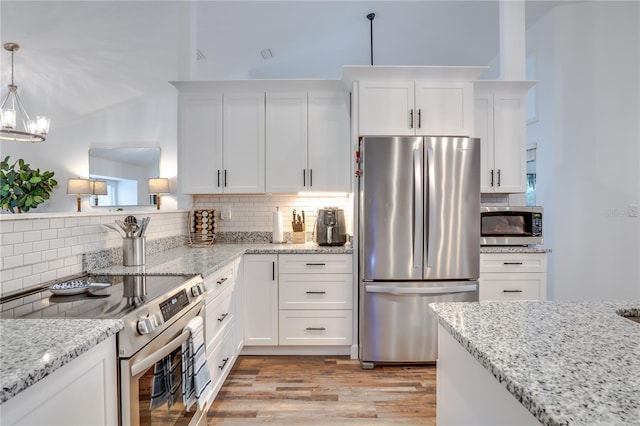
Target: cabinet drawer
(315,263)
(513,262)
(315,327)
(219,280)
(317,291)
(218,316)
(220,361)
(502,287)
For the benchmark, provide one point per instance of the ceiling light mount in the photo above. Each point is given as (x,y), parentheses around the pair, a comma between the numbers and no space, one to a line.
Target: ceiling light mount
(371,17)
(13,113)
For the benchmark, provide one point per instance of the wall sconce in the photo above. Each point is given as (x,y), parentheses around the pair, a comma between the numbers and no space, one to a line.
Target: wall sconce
(98,187)
(78,187)
(158,186)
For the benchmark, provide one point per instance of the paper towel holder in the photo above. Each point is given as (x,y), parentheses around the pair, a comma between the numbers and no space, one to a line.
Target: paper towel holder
(278,227)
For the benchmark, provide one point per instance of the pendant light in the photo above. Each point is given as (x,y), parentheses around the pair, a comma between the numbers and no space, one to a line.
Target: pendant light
(15,123)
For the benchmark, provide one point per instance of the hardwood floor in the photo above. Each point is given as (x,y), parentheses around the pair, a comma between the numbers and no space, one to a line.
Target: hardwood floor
(317,390)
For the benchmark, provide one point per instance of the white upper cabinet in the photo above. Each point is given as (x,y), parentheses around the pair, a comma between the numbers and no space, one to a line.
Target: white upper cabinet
(329,149)
(308,142)
(221,145)
(243,143)
(501,126)
(444,108)
(200,142)
(385,108)
(286,142)
(420,107)
(263,136)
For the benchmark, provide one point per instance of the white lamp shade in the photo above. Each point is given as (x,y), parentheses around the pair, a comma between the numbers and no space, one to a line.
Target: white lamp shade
(159,186)
(78,186)
(98,187)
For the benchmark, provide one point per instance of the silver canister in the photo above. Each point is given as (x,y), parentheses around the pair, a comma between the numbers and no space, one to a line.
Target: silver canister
(133,251)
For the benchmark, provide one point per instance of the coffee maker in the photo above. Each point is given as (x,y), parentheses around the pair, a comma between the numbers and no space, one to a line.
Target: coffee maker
(330,227)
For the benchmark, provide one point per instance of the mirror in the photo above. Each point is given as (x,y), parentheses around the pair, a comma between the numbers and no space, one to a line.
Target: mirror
(126,171)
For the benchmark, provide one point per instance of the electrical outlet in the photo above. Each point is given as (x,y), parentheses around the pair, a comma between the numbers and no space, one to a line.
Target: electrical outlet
(225,214)
(632,210)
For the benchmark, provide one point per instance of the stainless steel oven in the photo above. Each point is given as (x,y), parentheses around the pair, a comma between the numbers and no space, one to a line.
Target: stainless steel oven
(137,376)
(511,226)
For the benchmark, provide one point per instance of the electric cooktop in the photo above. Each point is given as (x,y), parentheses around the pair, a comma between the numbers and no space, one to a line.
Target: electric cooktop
(118,296)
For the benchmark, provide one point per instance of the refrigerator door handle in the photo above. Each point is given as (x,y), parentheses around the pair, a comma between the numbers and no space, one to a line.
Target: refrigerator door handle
(417,209)
(431,183)
(420,290)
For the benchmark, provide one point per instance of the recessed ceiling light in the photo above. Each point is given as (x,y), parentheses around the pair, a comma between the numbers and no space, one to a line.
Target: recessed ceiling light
(266,54)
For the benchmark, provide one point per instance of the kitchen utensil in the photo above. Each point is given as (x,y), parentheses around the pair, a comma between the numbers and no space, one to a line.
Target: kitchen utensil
(114,228)
(143,227)
(69,288)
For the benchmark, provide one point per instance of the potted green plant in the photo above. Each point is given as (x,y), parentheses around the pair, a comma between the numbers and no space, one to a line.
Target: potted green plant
(24,188)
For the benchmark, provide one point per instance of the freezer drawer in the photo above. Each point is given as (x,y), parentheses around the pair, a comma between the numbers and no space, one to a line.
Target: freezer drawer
(396,324)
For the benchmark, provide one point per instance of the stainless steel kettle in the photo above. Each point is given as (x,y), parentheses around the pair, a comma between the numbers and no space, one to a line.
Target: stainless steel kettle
(330,227)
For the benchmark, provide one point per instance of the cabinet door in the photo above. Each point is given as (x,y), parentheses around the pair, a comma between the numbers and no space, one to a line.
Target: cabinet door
(444,108)
(509,139)
(244,148)
(286,133)
(483,129)
(200,143)
(329,150)
(260,299)
(386,108)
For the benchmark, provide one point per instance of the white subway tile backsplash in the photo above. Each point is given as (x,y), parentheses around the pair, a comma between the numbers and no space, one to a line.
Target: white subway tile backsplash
(31,258)
(41,224)
(41,245)
(12,238)
(49,234)
(36,250)
(49,255)
(12,261)
(22,248)
(23,225)
(22,271)
(56,223)
(32,236)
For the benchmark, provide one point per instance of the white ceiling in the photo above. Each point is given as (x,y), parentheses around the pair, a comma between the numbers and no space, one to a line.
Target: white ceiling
(96,54)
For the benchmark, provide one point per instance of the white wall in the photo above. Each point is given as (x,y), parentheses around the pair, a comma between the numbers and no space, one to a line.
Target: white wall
(588,136)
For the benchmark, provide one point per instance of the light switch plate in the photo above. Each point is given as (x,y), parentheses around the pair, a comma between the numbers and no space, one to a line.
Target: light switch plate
(632,210)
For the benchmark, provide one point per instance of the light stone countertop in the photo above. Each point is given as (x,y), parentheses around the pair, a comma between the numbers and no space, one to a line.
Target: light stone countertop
(205,260)
(31,349)
(567,363)
(514,249)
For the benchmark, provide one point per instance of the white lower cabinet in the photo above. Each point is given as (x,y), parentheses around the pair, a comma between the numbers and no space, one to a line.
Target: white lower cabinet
(298,300)
(315,327)
(83,392)
(260,299)
(220,321)
(513,276)
(315,306)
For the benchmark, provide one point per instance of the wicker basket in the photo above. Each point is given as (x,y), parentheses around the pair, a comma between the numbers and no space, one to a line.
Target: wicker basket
(202,227)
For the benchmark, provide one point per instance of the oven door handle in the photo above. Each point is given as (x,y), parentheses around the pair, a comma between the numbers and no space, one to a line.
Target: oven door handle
(149,361)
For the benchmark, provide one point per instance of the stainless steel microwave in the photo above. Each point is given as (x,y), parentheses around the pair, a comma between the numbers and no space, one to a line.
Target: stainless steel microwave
(511,226)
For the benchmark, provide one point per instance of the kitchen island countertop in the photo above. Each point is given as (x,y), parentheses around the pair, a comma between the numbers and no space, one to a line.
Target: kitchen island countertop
(567,363)
(30,352)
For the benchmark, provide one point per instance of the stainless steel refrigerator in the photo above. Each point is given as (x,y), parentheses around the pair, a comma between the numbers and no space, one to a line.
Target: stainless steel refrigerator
(419,241)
